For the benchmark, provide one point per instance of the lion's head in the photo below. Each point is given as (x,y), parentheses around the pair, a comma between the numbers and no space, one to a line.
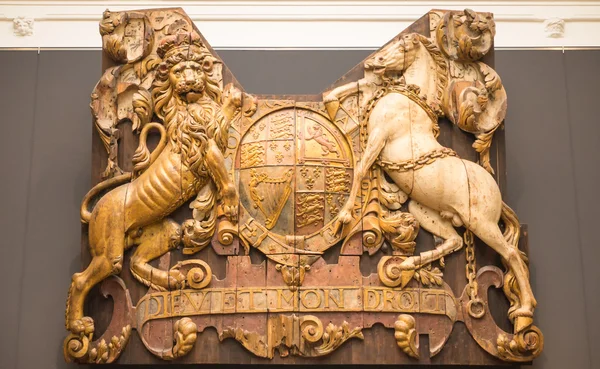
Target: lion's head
(187,77)
(187,97)
(188,70)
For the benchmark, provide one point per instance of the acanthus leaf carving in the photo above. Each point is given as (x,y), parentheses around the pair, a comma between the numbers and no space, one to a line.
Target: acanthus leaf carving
(406,335)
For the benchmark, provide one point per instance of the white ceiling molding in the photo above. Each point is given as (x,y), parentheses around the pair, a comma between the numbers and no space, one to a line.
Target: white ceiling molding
(303,24)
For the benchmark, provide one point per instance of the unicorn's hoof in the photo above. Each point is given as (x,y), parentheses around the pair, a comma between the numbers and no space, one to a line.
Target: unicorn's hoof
(408,264)
(523,311)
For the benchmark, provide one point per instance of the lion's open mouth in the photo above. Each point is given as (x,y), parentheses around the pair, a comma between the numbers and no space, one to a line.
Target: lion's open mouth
(192,96)
(184,89)
(189,93)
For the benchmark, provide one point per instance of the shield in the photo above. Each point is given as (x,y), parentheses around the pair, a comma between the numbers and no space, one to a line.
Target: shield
(294,167)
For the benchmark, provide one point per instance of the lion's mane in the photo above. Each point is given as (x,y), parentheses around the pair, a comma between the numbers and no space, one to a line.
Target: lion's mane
(190,125)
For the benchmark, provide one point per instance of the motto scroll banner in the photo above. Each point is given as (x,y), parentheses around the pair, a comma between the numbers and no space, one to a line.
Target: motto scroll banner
(356,226)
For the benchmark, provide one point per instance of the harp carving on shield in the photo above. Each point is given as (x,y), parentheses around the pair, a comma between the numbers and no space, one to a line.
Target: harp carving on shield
(270,194)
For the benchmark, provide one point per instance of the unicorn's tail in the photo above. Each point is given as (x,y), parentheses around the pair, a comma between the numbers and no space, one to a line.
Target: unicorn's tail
(512,232)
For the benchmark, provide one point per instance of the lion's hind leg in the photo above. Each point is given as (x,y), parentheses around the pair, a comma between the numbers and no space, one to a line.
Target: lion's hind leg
(107,242)
(101,267)
(154,241)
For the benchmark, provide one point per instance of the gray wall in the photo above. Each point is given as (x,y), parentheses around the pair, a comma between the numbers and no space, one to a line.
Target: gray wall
(552,145)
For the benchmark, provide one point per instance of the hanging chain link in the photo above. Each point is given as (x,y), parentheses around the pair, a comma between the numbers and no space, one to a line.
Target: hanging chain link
(410,91)
(381,92)
(418,163)
(475,306)
(471,267)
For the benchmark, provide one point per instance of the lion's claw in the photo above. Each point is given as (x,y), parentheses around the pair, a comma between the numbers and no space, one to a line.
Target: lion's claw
(231,212)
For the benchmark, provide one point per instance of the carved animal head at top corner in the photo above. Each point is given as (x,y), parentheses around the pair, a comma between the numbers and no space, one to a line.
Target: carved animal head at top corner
(110,21)
(466,35)
(189,67)
(395,57)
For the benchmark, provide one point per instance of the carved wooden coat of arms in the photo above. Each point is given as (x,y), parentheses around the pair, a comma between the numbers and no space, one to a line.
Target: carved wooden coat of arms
(359,224)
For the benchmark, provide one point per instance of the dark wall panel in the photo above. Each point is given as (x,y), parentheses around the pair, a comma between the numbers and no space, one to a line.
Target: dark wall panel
(294,72)
(552,143)
(582,81)
(60,177)
(16,107)
(541,189)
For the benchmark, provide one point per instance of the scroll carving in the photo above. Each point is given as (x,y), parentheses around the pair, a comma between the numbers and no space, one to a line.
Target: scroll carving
(307,186)
(312,339)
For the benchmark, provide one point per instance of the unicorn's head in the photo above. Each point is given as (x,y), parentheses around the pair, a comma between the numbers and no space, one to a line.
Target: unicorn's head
(395,57)
(408,59)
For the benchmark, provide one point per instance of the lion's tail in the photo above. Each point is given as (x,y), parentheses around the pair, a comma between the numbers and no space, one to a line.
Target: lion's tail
(142,158)
(512,233)
(85,212)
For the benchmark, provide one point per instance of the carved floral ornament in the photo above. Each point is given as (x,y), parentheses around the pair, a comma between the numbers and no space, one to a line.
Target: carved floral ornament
(359,169)
(23,26)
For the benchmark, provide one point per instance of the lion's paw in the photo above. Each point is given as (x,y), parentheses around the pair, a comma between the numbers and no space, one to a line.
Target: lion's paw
(231,212)
(232,96)
(230,203)
(84,325)
(176,279)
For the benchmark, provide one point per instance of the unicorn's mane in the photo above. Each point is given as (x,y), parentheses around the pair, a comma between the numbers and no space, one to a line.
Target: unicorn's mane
(441,71)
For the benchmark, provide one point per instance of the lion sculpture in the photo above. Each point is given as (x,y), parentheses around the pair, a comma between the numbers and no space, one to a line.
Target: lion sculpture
(188,161)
